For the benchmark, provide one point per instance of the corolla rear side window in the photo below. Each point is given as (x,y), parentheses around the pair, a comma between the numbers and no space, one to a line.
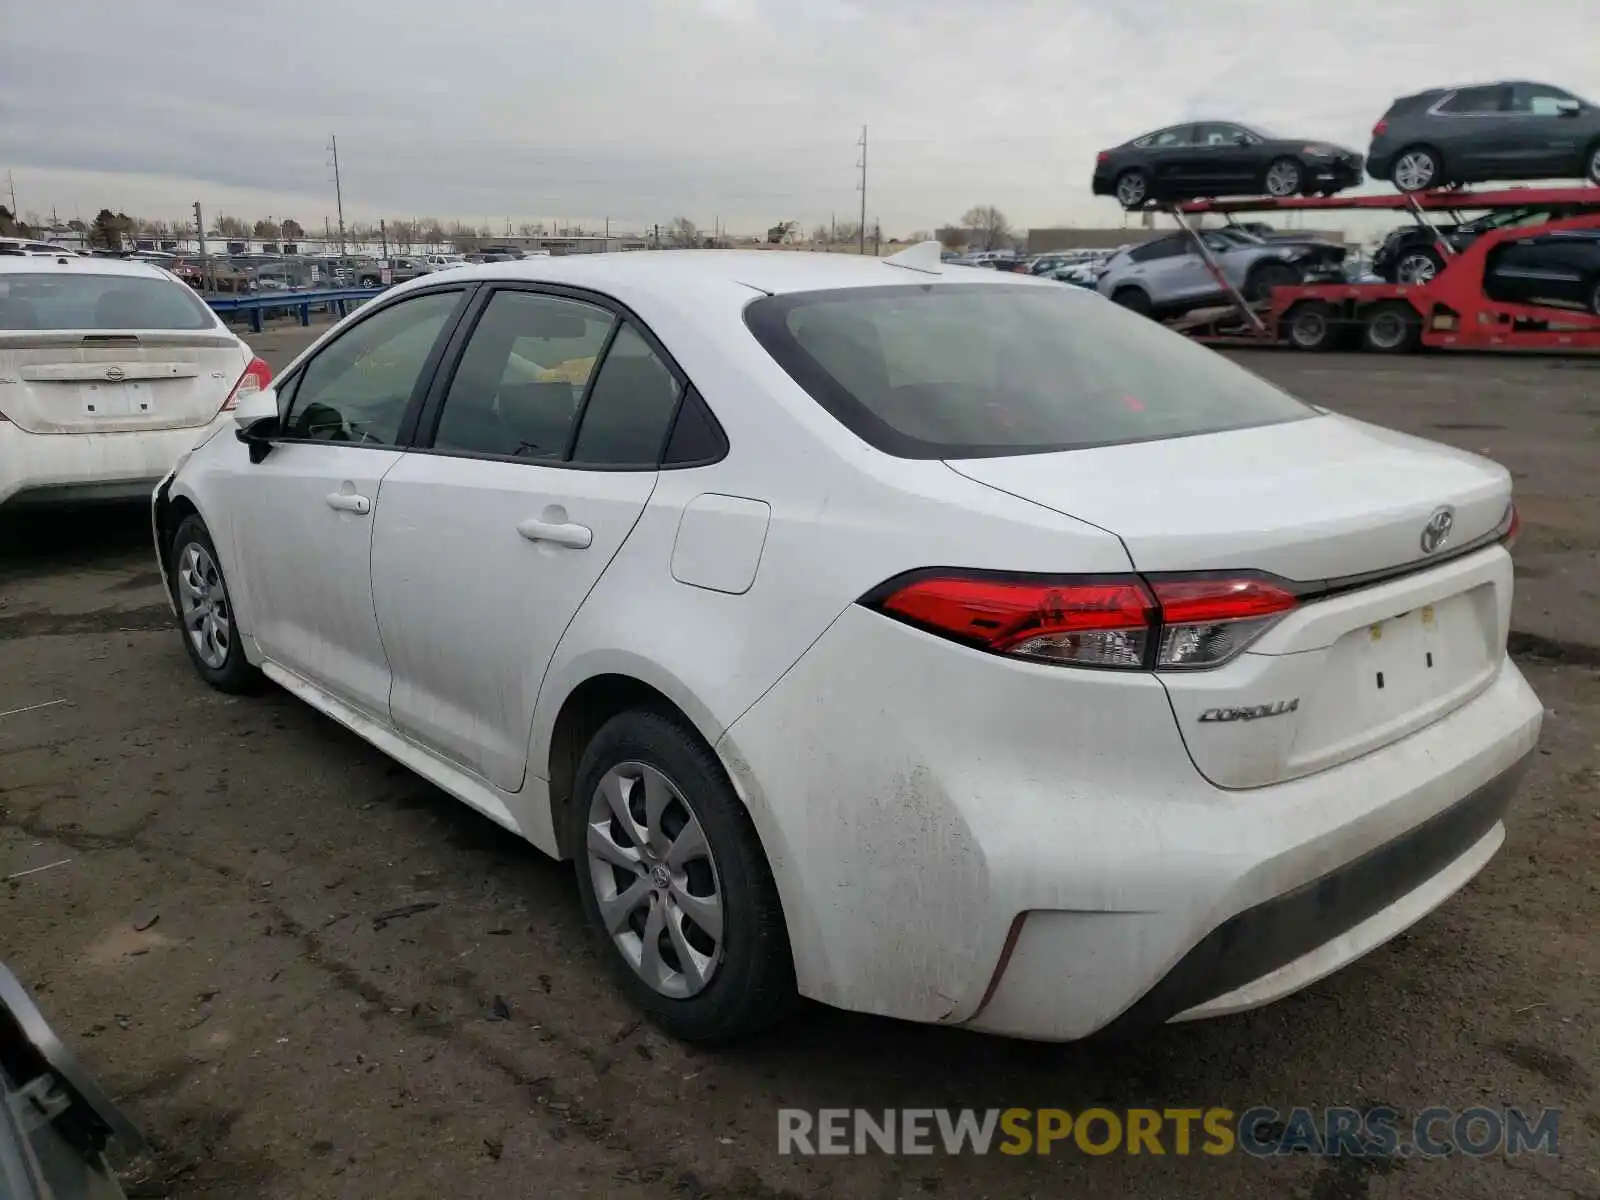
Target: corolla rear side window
(984,370)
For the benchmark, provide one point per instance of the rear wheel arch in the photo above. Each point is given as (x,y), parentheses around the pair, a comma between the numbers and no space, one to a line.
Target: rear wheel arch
(583,713)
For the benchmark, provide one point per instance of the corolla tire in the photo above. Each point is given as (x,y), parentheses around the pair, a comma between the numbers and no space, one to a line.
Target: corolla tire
(1265,276)
(1417,169)
(1132,188)
(680,898)
(1312,325)
(1285,177)
(1392,327)
(205,611)
(1418,266)
(1135,300)
(1593,160)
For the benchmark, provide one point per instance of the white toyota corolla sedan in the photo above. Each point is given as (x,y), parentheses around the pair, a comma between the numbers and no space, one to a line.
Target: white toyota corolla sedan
(109,370)
(929,642)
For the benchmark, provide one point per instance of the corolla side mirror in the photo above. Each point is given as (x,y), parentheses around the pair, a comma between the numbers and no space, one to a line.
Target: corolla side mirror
(1567,108)
(253,406)
(258,435)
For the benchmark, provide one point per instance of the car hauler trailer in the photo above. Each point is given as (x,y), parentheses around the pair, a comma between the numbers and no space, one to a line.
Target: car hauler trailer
(1453,310)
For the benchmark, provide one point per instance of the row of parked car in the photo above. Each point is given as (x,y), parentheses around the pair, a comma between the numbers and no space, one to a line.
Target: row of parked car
(1512,130)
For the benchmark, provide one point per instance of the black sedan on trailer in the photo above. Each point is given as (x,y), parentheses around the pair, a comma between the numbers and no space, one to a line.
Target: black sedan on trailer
(1221,158)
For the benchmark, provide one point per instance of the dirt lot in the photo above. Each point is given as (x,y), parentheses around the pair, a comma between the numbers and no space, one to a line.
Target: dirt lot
(209,947)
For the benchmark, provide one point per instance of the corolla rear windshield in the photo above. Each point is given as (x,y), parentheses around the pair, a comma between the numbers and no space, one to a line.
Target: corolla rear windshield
(985,370)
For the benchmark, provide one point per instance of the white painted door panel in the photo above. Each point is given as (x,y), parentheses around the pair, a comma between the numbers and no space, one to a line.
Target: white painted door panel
(303,522)
(478,565)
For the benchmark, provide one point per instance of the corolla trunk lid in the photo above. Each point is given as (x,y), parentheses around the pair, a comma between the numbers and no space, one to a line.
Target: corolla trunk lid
(1395,627)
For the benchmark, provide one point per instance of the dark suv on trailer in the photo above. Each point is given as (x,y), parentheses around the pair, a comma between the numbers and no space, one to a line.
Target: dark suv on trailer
(1409,254)
(1485,132)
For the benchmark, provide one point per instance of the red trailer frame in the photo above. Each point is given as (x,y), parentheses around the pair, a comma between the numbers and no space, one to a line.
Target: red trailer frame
(1450,311)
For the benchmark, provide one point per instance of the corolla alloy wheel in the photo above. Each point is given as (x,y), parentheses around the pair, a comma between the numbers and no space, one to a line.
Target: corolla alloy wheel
(1415,171)
(203,600)
(655,880)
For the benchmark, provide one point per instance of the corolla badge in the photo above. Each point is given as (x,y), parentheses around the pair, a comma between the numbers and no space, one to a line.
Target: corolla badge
(116,374)
(1437,531)
(1252,712)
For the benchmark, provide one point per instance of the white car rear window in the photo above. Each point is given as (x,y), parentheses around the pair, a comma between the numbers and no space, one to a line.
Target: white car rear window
(975,370)
(63,301)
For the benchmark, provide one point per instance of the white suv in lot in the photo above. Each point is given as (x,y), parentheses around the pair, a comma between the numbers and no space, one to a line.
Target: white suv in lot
(929,642)
(109,370)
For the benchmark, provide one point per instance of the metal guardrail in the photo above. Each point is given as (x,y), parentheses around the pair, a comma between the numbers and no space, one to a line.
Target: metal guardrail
(338,300)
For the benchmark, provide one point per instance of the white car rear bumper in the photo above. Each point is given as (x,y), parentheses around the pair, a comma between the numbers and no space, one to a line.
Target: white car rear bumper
(1029,850)
(48,468)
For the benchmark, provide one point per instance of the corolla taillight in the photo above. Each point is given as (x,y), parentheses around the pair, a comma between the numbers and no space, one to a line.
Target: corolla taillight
(1121,622)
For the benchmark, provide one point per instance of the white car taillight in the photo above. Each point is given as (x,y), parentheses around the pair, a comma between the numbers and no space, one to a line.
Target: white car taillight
(257,377)
(1125,622)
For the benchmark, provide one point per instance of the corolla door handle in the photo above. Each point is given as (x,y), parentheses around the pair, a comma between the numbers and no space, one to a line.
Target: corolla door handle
(349,502)
(562,533)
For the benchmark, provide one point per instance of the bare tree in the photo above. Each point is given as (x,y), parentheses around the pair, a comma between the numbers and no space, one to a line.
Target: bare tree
(820,235)
(465,238)
(988,224)
(682,233)
(847,231)
(267,228)
(232,227)
(531,229)
(918,235)
(432,233)
(292,230)
(403,234)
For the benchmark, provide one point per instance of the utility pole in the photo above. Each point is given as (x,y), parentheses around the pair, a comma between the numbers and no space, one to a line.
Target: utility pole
(861,234)
(205,260)
(338,187)
(383,237)
(12,185)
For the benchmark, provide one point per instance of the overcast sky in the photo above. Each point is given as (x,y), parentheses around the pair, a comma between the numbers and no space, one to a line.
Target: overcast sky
(745,111)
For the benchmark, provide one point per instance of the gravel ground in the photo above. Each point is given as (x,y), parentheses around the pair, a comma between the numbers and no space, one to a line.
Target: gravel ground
(210,947)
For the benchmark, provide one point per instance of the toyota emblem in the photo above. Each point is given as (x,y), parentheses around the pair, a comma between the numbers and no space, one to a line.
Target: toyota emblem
(116,374)
(1437,531)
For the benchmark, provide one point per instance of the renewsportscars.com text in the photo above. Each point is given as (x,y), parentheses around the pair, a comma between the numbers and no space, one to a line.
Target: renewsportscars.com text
(1261,1132)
